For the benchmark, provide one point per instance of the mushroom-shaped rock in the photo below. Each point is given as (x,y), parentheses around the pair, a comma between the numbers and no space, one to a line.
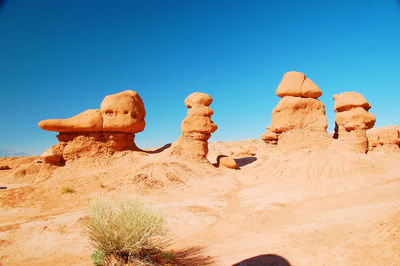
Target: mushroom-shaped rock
(352,120)
(108,129)
(196,127)
(298,110)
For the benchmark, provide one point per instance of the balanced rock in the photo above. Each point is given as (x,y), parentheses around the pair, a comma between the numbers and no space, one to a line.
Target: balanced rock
(384,138)
(299,111)
(352,120)
(106,130)
(295,84)
(196,128)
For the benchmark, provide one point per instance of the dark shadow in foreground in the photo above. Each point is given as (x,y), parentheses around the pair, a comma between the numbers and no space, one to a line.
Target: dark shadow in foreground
(245,161)
(264,260)
(191,256)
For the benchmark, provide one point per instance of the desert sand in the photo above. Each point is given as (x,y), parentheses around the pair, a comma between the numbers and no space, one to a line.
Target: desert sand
(299,195)
(309,207)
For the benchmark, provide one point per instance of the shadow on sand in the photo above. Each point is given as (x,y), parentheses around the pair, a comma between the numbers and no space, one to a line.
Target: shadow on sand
(245,161)
(264,260)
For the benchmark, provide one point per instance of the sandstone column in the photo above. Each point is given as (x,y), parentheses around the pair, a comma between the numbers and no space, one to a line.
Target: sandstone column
(352,120)
(196,128)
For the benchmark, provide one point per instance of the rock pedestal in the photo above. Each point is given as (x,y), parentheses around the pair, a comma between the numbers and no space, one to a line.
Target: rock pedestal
(196,128)
(352,120)
(299,113)
(95,131)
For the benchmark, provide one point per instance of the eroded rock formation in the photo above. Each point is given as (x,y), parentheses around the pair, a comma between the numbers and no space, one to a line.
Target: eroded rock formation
(196,128)
(105,130)
(299,116)
(384,138)
(352,120)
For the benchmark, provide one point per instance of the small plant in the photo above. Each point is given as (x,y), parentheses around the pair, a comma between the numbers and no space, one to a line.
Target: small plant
(66,189)
(98,257)
(125,231)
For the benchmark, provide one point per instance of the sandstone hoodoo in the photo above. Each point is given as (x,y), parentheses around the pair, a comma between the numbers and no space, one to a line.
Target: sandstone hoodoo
(352,120)
(384,138)
(299,114)
(196,128)
(106,130)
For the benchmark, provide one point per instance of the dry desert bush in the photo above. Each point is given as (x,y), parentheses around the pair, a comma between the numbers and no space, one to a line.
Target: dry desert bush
(126,231)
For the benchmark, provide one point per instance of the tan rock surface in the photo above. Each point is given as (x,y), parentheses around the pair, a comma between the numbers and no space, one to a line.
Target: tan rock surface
(298,113)
(384,138)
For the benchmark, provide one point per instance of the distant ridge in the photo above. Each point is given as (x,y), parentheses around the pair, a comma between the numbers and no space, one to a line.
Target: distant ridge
(12,153)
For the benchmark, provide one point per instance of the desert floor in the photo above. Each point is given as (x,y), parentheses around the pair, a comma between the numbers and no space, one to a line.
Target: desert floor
(308,207)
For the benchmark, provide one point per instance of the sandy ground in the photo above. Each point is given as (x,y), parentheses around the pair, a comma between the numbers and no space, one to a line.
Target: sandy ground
(304,207)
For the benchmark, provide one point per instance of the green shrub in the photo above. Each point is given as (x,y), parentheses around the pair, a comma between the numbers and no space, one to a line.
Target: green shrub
(125,230)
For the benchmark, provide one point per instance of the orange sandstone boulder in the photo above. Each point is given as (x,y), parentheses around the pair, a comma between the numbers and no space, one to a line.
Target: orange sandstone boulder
(295,84)
(310,90)
(226,161)
(123,112)
(196,128)
(349,100)
(291,84)
(352,120)
(106,130)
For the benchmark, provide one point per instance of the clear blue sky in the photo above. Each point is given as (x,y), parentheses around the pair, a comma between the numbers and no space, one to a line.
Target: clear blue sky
(59,58)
